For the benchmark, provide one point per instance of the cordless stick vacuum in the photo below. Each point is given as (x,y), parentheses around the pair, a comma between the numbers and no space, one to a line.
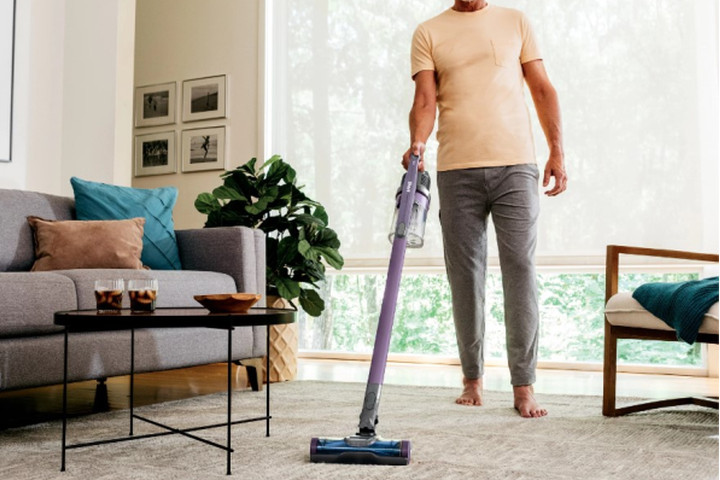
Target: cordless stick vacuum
(366,447)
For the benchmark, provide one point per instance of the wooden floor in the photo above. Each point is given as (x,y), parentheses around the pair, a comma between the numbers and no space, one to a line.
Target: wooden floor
(559,382)
(25,407)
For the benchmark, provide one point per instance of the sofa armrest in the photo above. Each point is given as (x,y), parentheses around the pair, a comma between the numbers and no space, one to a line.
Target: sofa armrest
(236,251)
(612,262)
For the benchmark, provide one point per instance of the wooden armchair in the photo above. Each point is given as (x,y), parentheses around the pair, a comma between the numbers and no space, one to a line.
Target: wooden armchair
(625,318)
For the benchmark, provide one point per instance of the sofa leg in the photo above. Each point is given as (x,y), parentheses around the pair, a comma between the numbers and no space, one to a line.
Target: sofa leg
(253,378)
(255,371)
(101,402)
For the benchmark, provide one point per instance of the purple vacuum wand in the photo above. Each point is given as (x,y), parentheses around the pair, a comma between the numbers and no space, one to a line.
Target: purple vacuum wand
(413,199)
(414,202)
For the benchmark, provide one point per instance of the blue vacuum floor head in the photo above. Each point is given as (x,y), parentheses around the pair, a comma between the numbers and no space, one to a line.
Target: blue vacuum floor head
(360,450)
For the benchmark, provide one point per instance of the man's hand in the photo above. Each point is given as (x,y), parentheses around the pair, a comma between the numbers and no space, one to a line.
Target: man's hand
(548,110)
(555,168)
(417,148)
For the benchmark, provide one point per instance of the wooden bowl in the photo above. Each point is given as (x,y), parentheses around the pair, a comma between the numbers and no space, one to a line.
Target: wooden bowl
(228,302)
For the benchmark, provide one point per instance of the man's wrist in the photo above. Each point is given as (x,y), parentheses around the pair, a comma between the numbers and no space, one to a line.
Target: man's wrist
(557,152)
(417,145)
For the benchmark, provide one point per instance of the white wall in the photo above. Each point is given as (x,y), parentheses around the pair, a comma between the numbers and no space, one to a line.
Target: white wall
(39,34)
(179,40)
(97,81)
(73,94)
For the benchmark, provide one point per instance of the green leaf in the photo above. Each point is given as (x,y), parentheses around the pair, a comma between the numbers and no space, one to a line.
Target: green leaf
(214,219)
(234,217)
(270,161)
(311,302)
(312,271)
(271,252)
(243,183)
(277,205)
(328,238)
(249,167)
(321,214)
(270,192)
(285,192)
(232,184)
(307,219)
(287,288)
(277,172)
(290,175)
(234,214)
(206,203)
(224,192)
(259,207)
(305,249)
(287,250)
(331,256)
(297,197)
(274,224)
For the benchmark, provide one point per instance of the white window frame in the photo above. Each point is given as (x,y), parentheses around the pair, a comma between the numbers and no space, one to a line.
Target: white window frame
(579,265)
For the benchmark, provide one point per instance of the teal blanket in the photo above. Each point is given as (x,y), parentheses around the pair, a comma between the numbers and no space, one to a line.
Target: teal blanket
(681,305)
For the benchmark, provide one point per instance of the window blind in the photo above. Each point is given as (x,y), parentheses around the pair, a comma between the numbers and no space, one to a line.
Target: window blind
(638,88)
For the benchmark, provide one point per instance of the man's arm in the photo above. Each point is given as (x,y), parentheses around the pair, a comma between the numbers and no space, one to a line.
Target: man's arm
(422,115)
(548,110)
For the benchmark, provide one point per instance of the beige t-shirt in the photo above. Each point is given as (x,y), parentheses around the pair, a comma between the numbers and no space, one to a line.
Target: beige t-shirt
(477,58)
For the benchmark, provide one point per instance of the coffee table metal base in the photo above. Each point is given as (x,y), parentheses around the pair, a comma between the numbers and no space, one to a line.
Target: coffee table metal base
(171,430)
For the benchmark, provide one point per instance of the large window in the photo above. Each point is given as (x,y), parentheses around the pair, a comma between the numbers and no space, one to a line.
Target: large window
(638,86)
(571,326)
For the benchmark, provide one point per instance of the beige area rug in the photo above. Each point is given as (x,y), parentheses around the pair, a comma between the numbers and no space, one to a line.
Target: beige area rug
(449,441)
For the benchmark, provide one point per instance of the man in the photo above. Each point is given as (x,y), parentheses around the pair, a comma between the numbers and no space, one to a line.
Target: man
(470,62)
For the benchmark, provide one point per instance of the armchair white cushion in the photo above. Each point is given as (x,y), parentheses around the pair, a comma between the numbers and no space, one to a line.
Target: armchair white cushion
(623,310)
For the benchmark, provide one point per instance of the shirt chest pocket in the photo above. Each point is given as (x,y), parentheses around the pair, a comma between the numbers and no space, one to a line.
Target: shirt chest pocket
(506,53)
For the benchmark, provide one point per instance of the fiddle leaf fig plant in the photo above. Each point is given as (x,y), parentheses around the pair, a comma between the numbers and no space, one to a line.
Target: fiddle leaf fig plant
(299,242)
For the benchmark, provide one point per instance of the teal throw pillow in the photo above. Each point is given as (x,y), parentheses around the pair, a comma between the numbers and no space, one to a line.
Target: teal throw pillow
(100,201)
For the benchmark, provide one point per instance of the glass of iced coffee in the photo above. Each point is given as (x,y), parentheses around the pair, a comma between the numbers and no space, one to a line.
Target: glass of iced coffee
(108,295)
(143,294)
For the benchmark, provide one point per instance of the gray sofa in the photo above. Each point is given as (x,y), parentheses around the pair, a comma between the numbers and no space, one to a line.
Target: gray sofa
(218,260)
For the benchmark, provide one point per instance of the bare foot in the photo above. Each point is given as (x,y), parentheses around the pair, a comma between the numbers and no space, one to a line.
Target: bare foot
(526,404)
(472,393)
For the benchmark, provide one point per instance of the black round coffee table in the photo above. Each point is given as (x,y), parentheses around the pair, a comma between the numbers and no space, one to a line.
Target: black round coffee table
(76,321)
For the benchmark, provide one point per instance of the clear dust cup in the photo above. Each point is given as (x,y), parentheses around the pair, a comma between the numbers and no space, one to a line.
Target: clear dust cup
(418,215)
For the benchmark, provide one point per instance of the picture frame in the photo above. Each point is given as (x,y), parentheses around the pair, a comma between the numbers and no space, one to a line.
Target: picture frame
(8,12)
(155,104)
(155,154)
(204,98)
(203,149)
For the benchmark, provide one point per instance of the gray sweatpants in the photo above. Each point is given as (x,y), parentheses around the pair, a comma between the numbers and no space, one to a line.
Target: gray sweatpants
(510,195)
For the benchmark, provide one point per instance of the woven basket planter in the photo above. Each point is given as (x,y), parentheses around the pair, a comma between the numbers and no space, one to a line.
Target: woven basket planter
(283,345)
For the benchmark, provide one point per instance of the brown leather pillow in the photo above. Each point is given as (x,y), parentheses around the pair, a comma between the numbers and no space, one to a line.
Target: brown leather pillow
(64,245)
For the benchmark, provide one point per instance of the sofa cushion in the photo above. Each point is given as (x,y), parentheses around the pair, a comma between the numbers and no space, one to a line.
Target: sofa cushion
(87,244)
(29,301)
(175,288)
(16,239)
(35,361)
(623,310)
(100,201)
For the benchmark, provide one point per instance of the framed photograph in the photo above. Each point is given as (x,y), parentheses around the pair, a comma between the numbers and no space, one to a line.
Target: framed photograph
(7,69)
(155,154)
(203,149)
(155,105)
(204,98)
